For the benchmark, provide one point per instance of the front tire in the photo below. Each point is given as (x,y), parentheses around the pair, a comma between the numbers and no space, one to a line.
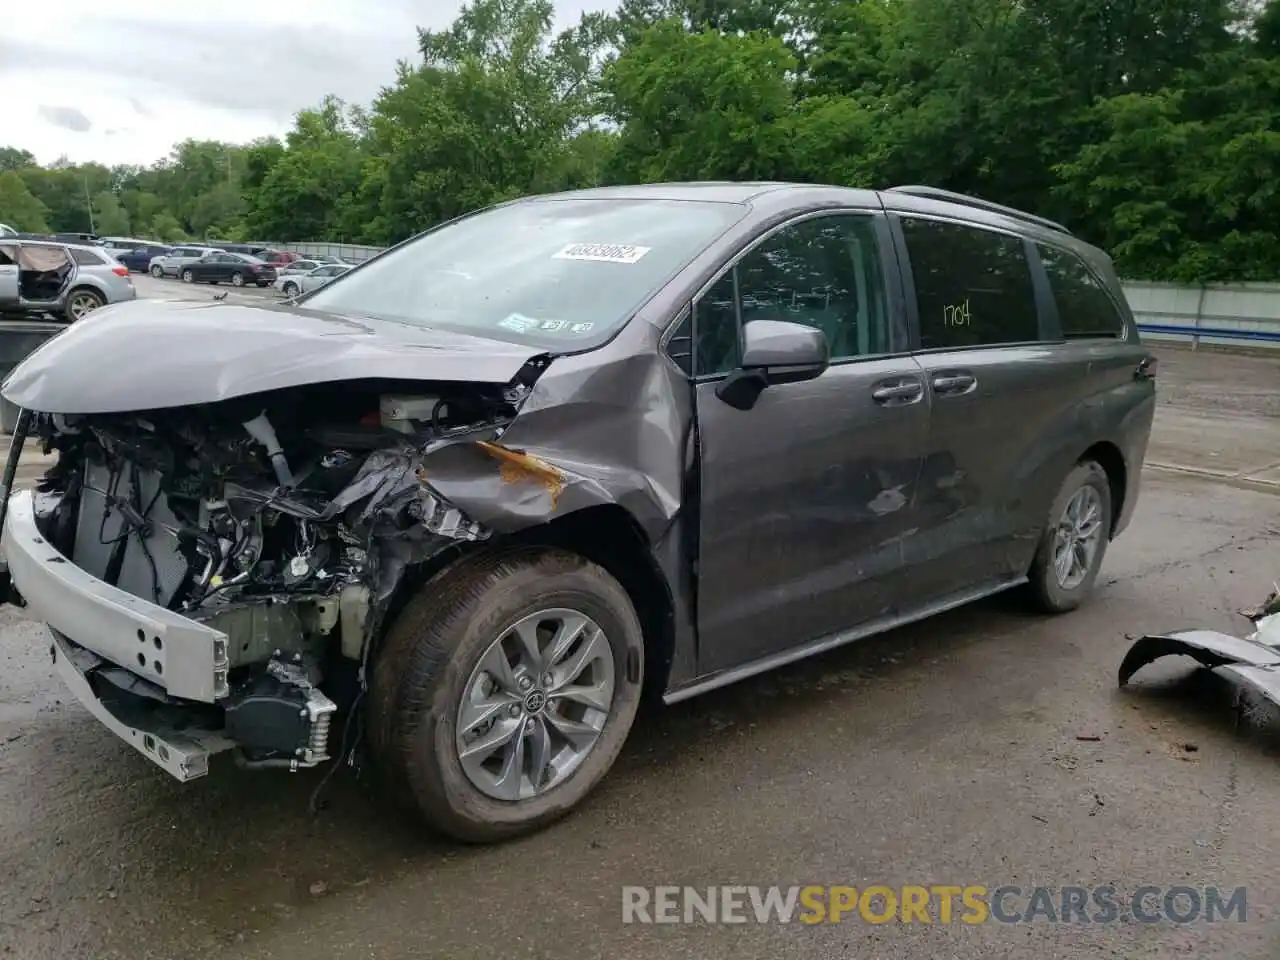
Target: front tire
(188,276)
(237,279)
(1074,541)
(158,272)
(290,289)
(505,691)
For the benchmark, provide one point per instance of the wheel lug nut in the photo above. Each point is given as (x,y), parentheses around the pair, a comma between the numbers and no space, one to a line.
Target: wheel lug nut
(514,710)
(525,683)
(548,680)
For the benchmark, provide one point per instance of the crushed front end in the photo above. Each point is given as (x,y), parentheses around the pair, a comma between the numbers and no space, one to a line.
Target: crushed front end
(213,575)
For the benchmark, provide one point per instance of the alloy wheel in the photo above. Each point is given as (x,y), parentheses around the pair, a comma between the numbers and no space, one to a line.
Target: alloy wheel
(1075,542)
(535,704)
(82,304)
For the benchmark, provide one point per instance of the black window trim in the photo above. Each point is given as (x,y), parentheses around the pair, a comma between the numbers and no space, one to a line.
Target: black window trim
(1046,317)
(898,330)
(1120,309)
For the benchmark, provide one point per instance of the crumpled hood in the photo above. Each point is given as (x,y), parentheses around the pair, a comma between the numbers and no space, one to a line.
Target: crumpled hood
(150,354)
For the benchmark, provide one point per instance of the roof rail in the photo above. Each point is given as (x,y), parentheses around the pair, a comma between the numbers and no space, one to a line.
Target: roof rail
(950,196)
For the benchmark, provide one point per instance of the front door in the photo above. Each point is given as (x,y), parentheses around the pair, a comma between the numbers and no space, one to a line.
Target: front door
(8,275)
(219,267)
(807,496)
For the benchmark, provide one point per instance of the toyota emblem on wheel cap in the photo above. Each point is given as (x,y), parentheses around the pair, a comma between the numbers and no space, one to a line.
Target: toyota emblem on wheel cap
(535,701)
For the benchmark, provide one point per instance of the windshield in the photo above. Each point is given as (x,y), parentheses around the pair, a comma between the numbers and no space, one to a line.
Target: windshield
(549,273)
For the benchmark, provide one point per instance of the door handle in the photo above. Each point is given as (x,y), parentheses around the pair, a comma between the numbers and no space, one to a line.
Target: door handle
(899,393)
(953,384)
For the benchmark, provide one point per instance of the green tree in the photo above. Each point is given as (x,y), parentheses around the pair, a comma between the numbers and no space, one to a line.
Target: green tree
(19,208)
(109,215)
(312,185)
(696,106)
(166,227)
(11,158)
(485,117)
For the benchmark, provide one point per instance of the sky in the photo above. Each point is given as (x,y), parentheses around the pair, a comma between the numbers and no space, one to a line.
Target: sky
(121,82)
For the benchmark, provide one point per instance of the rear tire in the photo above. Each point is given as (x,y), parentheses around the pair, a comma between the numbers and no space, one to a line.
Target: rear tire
(1066,563)
(290,289)
(81,303)
(188,276)
(435,670)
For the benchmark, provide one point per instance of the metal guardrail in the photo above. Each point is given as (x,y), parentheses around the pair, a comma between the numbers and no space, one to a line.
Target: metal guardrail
(1222,333)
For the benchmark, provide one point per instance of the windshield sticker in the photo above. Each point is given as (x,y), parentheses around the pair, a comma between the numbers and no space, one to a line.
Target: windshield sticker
(603,252)
(522,324)
(519,323)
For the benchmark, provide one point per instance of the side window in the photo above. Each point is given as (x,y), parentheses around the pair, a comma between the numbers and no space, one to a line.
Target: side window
(824,273)
(717,346)
(973,286)
(1084,307)
(86,258)
(8,255)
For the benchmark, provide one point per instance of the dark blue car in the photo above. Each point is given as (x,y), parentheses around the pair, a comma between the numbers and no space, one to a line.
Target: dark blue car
(138,260)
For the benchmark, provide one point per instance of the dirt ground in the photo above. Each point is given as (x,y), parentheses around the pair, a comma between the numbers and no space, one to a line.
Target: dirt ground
(983,746)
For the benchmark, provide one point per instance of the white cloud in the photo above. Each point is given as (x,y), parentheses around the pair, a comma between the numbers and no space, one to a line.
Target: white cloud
(145,77)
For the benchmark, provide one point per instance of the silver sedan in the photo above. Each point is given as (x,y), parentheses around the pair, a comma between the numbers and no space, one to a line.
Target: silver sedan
(291,285)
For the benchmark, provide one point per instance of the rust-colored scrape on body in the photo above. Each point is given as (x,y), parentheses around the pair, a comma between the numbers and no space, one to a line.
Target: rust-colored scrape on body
(519,467)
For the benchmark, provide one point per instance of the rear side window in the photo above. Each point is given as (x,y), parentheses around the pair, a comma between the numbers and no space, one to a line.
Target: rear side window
(973,287)
(87,258)
(1085,309)
(8,255)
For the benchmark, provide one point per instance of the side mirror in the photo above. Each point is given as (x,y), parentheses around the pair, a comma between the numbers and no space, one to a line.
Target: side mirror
(774,352)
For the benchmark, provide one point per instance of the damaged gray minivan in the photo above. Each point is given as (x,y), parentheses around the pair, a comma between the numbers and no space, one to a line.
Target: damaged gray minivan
(487,488)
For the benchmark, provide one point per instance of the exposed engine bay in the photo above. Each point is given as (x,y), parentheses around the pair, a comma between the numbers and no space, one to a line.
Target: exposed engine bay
(284,520)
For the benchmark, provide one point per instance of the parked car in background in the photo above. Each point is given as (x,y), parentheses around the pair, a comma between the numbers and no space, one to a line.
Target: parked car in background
(84,239)
(65,280)
(124,244)
(170,264)
(138,259)
(297,267)
(237,269)
(295,283)
(278,258)
(253,249)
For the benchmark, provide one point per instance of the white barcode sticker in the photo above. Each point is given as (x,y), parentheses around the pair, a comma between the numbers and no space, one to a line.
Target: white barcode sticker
(605,252)
(518,322)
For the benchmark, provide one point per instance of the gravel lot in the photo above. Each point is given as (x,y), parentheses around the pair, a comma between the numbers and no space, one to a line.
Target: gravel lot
(980,747)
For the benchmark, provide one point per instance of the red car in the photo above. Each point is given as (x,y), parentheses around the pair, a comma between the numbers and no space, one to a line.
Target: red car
(277,257)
